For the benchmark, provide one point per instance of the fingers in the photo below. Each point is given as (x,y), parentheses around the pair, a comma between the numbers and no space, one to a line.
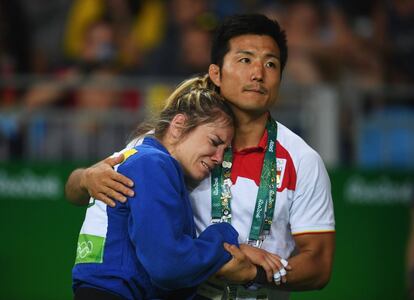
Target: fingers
(115,160)
(234,251)
(268,261)
(105,199)
(271,265)
(280,276)
(227,247)
(125,181)
(276,268)
(102,179)
(114,195)
(283,271)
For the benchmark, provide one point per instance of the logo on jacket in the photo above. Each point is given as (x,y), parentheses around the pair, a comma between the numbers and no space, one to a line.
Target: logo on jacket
(84,249)
(280,171)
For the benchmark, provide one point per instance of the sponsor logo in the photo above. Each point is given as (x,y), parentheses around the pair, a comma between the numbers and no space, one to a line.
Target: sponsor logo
(271,146)
(84,249)
(90,249)
(259,208)
(381,190)
(28,185)
(215,186)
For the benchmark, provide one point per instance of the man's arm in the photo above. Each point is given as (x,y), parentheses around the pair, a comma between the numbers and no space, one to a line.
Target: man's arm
(312,207)
(312,266)
(99,181)
(310,269)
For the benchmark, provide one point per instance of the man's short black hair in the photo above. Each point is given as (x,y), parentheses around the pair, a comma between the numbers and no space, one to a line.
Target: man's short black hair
(238,25)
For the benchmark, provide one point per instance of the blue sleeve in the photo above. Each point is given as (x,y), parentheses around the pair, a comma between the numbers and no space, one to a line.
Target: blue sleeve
(158,227)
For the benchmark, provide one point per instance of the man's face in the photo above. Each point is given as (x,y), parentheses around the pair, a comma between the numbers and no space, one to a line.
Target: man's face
(250,76)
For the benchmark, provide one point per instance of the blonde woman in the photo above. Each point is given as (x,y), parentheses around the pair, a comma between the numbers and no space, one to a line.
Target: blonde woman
(147,247)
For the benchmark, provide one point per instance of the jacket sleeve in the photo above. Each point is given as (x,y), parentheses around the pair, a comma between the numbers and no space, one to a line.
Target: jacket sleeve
(160,227)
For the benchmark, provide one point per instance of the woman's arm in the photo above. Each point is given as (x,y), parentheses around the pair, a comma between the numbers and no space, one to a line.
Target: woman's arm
(162,229)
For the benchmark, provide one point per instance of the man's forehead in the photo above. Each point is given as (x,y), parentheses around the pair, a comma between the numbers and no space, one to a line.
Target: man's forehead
(248,44)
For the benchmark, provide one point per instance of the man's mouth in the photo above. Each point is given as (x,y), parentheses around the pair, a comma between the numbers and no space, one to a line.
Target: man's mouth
(255,89)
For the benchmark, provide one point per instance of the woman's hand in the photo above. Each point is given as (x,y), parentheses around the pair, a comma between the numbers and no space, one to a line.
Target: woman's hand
(239,269)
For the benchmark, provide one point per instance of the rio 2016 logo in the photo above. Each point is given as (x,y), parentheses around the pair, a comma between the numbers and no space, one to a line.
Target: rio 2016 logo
(84,249)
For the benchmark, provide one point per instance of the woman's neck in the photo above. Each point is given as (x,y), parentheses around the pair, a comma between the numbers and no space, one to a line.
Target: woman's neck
(168,143)
(249,130)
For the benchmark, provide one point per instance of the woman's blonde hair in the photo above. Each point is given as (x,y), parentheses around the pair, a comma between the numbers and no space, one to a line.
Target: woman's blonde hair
(196,98)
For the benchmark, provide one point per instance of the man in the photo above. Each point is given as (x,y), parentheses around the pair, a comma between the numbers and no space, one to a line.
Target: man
(248,55)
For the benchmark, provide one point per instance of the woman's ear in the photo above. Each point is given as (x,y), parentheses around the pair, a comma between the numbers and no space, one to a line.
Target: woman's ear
(177,125)
(214,74)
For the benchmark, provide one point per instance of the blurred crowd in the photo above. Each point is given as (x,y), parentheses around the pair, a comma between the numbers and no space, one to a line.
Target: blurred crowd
(368,42)
(80,53)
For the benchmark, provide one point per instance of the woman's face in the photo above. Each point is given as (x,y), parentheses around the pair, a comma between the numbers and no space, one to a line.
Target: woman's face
(203,148)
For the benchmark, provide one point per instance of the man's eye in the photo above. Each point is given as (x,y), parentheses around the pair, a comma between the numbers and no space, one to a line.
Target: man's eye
(244,60)
(271,65)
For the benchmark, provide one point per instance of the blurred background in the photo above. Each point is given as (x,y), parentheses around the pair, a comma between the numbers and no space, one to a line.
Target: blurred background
(76,77)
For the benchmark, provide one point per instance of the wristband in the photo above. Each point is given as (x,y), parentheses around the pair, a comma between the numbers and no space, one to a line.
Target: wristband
(261,277)
(259,280)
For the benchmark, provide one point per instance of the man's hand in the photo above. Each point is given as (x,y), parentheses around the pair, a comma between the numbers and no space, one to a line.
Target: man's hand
(270,262)
(239,269)
(103,183)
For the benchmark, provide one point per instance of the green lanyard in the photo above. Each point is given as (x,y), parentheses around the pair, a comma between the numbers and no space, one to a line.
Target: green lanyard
(266,196)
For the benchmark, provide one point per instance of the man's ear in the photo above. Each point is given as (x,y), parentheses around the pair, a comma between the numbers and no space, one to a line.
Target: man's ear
(177,125)
(214,74)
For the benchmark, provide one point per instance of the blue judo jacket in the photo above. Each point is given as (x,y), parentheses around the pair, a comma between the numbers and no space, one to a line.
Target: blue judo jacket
(150,249)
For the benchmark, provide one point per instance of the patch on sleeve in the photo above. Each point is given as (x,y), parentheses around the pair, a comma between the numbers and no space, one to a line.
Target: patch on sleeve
(128,153)
(90,249)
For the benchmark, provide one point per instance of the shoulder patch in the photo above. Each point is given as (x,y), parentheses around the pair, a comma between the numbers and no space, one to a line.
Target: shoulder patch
(129,153)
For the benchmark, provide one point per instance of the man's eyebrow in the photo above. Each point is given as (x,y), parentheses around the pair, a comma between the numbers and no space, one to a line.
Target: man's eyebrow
(244,52)
(247,52)
(271,55)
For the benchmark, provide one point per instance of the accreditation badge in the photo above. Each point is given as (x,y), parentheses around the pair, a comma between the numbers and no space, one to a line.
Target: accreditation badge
(280,171)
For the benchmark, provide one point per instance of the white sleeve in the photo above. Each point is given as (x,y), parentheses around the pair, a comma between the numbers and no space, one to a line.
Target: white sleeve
(312,208)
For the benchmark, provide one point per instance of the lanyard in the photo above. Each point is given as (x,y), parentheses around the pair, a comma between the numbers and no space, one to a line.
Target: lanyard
(266,196)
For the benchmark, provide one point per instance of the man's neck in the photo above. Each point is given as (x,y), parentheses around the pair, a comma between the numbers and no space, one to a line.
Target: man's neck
(249,130)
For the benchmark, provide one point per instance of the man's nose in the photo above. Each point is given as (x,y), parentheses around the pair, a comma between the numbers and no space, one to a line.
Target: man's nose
(257,71)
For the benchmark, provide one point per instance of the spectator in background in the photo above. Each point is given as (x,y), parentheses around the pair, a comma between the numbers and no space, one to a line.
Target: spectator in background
(352,32)
(394,35)
(15,48)
(138,27)
(185,48)
(96,61)
(304,28)
(324,47)
(90,85)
